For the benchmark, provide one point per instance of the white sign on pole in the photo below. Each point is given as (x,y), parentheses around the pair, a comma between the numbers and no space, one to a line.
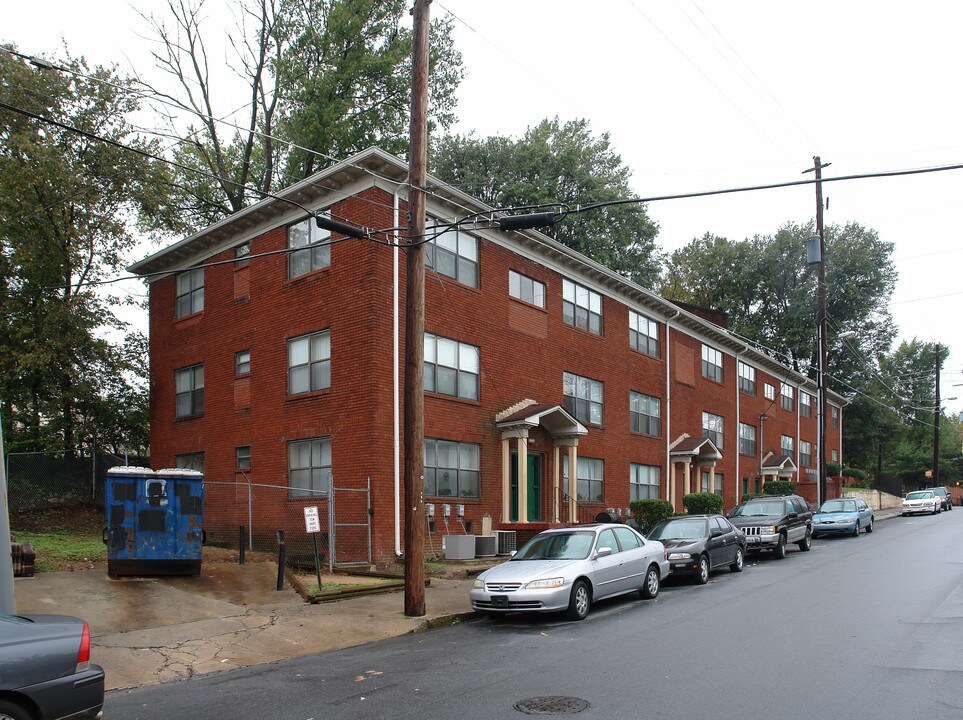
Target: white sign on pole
(312,522)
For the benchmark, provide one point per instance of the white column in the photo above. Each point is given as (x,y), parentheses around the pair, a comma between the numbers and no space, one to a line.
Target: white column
(572,482)
(712,478)
(506,480)
(555,475)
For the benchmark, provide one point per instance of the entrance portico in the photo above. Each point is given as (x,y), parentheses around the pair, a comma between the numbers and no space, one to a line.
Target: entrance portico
(776,467)
(689,455)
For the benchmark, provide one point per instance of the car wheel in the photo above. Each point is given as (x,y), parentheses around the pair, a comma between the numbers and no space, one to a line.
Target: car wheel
(13,711)
(652,581)
(807,542)
(856,529)
(935,511)
(702,577)
(739,562)
(869,528)
(779,552)
(580,602)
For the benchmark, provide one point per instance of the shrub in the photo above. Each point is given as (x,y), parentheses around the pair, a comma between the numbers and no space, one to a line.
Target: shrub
(648,512)
(855,473)
(779,487)
(834,469)
(702,503)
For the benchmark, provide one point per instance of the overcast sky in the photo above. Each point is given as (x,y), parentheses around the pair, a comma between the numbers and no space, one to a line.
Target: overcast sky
(699,96)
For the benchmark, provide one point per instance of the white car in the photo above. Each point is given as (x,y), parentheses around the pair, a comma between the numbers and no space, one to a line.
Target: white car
(570,568)
(921,501)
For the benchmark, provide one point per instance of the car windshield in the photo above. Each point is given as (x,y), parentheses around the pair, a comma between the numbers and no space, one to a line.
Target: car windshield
(921,495)
(681,529)
(831,506)
(557,546)
(769,507)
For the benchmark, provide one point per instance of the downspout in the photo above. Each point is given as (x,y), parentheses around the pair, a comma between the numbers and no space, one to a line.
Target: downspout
(395,409)
(668,407)
(738,430)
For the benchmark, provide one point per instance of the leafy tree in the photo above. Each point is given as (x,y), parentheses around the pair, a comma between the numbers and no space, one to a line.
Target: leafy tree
(325,77)
(67,206)
(558,163)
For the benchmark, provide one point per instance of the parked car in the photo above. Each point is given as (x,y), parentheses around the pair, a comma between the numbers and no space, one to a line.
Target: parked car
(943,492)
(771,522)
(568,569)
(843,516)
(45,669)
(698,544)
(921,501)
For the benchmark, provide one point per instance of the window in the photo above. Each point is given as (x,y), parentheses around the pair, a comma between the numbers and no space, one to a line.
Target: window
(452,469)
(242,254)
(309,363)
(242,362)
(189,391)
(589,474)
(747,378)
(643,334)
(644,481)
(310,248)
(805,404)
(717,488)
(834,411)
(787,397)
(747,439)
(242,457)
(644,413)
(628,540)
(711,363)
(453,253)
(770,391)
(451,367)
(835,456)
(787,444)
(189,295)
(805,453)
(524,288)
(190,461)
(309,467)
(712,428)
(583,398)
(581,307)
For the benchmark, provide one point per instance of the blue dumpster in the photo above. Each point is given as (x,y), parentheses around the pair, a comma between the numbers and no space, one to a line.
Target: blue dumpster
(153,521)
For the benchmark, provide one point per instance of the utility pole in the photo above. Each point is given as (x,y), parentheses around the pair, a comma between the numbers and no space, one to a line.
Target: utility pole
(415,321)
(7,603)
(936,422)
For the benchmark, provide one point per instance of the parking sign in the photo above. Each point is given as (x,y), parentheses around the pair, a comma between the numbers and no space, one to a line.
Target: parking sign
(312,522)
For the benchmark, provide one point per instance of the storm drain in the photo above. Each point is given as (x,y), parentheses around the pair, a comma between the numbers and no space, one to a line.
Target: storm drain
(552,705)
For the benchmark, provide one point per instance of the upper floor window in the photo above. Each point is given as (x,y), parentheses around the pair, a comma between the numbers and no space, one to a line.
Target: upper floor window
(805,404)
(190,461)
(309,363)
(242,362)
(747,378)
(452,253)
(310,249)
(242,254)
(835,456)
(787,444)
(644,481)
(834,411)
(747,439)
(451,367)
(309,467)
(589,476)
(787,397)
(242,457)
(525,288)
(189,391)
(711,363)
(452,469)
(770,391)
(805,453)
(581,307)
(644,413)
(189,295)
(583,398)
(643,334)
(712,428)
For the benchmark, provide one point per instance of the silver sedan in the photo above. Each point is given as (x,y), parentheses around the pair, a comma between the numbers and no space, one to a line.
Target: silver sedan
(567,569)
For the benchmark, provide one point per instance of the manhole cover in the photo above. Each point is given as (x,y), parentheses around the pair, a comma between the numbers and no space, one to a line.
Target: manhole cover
(552,705)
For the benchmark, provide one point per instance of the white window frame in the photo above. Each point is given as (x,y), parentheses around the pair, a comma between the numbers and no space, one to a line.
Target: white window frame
(704,480)
(712,368)
(645,481)
(805,404)
(713,427)
(805,453)
(747,378)
(316,363)
(581,307)
(589,478)
(787,397)
(459,360)
(584,398)
(242,363)
(452,253)
(769,390)
(522,287)
(189,386)
(643,334)
(309,467)
(787,443)
(189,292)
(462,466)
(242,457)
(747,440)
(645,414)
(310,248)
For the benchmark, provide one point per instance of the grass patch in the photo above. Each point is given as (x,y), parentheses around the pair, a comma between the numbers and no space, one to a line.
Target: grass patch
(62,550)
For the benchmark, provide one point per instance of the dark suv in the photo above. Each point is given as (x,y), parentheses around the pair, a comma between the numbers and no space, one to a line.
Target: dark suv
(771,522)
(946,500)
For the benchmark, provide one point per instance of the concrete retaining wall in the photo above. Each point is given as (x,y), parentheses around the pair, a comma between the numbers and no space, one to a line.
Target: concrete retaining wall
(875,499)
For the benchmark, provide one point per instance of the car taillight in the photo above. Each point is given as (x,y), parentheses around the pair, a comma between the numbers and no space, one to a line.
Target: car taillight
(83,655)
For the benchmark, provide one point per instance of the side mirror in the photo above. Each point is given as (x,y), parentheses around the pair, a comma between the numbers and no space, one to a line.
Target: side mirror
(793,515)
(512,554)
(603,552)
(715,532)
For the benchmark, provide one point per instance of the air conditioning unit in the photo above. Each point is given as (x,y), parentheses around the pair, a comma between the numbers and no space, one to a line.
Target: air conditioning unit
(486,545)
(507,542)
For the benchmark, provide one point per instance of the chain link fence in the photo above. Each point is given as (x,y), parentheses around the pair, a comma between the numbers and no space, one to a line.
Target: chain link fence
(251,514)
(39,480)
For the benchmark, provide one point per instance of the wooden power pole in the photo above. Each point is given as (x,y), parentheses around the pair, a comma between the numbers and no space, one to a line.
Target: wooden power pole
(415,322)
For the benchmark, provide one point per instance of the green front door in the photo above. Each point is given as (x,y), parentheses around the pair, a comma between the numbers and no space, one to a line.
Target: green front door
(534,488)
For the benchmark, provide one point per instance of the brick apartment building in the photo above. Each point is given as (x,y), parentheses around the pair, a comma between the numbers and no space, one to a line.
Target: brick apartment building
(276,355)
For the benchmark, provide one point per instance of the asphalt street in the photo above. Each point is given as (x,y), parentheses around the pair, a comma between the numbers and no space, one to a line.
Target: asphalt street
(858,627)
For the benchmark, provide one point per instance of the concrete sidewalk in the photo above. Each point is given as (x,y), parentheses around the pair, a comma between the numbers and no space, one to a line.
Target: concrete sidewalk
(151,630)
